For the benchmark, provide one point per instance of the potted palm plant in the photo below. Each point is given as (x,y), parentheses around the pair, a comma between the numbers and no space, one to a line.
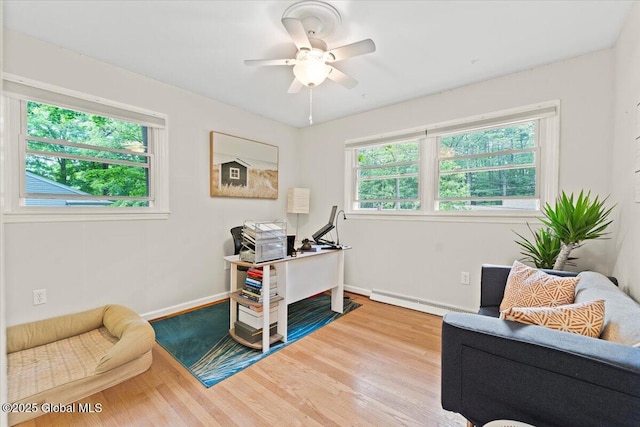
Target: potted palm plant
(543,250)
(567,225)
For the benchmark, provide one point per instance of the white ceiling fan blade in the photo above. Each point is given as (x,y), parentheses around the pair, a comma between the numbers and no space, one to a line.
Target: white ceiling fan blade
(354,49)
(297,32)
(341,78)
(295,87)
(257,62)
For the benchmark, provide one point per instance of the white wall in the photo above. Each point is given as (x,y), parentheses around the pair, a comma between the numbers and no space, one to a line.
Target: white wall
(152,265)
(424,259)
(627,96)
(3,329)
(146,265)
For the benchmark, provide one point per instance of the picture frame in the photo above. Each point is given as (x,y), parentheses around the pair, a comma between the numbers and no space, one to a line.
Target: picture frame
(241,167)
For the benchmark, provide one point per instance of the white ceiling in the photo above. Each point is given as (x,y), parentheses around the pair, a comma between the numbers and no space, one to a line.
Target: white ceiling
(423,47)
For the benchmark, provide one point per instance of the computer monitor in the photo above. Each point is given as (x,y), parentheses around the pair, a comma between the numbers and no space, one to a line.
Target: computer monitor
(317,236)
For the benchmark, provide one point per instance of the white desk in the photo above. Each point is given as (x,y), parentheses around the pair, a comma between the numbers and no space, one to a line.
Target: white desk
(300,277)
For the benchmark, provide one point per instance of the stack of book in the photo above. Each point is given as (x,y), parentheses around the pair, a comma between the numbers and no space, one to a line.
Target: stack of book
(250,317)
(252,288)
(250,334)
(253,318)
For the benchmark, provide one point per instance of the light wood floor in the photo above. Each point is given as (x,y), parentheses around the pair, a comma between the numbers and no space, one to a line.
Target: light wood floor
(378,365)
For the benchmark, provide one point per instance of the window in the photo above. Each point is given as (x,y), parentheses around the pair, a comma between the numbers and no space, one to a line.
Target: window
(76,158)
(234,173)
(74,154)
(488,169)
(387,176)
(497,164)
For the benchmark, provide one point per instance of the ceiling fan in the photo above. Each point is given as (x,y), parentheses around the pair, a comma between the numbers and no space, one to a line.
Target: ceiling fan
(308,22)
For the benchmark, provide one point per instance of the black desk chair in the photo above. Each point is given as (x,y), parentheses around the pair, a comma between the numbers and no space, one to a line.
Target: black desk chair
(236,233)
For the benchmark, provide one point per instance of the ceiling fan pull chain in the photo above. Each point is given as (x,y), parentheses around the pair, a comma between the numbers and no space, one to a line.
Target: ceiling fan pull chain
(310,106)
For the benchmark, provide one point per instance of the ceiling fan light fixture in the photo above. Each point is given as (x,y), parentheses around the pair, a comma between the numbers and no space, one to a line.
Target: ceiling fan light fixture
(308,22)
(311,72)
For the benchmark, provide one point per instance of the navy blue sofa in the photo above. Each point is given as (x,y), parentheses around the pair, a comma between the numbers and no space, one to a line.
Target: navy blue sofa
(495,369)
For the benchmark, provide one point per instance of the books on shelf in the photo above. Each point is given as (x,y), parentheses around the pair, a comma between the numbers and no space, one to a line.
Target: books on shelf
(256,297)
(250,334)
(250,299)
(254,318)
(258,273)
(253,282)
(252,288)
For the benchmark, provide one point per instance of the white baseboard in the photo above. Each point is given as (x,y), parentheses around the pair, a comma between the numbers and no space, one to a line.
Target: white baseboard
(213,298)
(414,303)
(184,306)
(375,295)
(356,290)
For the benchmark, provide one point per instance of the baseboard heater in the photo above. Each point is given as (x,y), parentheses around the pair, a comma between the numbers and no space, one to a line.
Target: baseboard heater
(414,303)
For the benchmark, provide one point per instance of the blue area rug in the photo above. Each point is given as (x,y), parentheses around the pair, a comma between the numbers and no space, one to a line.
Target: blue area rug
(200,339)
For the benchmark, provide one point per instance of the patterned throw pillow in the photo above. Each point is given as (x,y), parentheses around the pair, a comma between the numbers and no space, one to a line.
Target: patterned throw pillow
(530,287)
(584,318)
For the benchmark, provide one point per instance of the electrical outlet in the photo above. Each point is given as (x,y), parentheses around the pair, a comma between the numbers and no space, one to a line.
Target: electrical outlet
(39,296)
(227,264)
(464,277)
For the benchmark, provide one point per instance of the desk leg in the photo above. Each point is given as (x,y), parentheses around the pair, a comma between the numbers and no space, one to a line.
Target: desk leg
(337,293)
(266,307)
(282,272)
(233,286)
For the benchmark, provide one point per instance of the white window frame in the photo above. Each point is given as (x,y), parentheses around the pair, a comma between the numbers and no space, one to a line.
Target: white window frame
(234,173)
(413,138)
(535,150)
(547,162)
(17,91)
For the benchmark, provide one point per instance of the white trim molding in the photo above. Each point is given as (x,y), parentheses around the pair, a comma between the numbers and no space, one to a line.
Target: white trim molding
(546,116)
(17,91)
(418,304)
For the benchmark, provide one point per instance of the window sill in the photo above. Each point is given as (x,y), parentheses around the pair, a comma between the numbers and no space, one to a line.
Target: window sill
(56,216)
(469,217)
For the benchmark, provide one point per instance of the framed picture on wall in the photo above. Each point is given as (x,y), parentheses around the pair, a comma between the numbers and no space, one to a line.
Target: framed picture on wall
(242,167)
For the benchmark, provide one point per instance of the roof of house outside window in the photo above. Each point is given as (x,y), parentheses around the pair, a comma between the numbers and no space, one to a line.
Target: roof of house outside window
(41,185)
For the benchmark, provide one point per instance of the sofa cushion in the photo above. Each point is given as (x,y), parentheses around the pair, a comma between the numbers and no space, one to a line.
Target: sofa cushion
(621,322)
(530,287)
(585,318)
